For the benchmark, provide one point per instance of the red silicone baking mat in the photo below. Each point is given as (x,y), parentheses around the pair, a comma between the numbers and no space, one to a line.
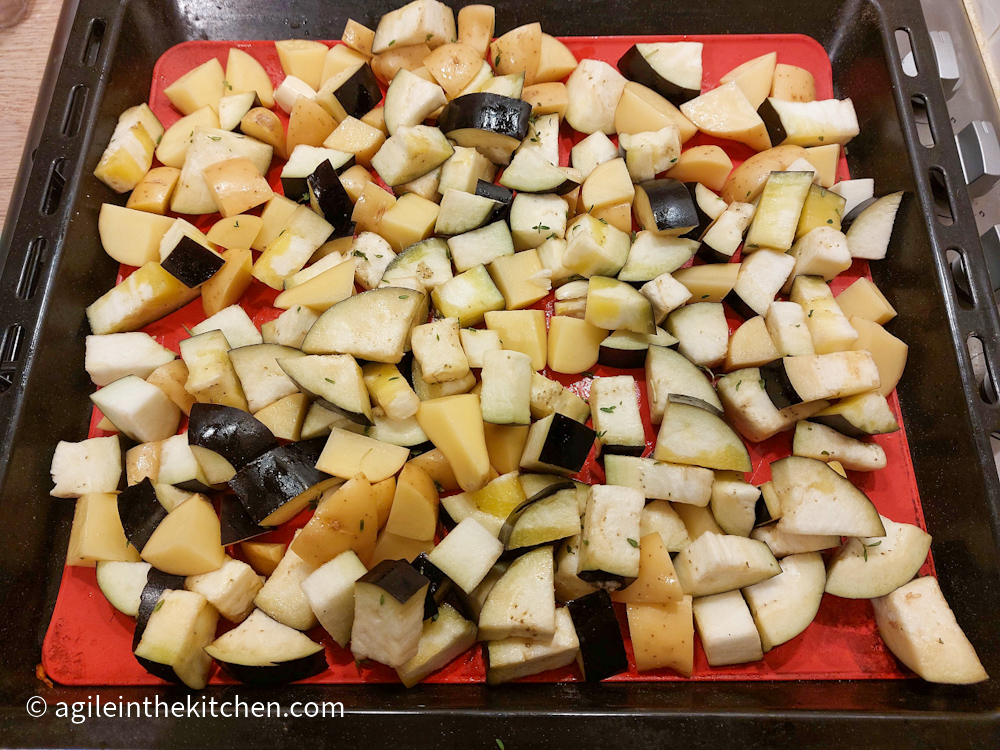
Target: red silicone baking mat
(89,643)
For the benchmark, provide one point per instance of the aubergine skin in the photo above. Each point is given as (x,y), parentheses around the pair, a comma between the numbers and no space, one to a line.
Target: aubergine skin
(511,521)
(676,398)
(140,512)
(671,204)
(237,525)
(567,444)
(234,434)
(275,478)
(704,222)
(772,121)
(329,195)
(602,648)
(191,263)
(504,197)
(440,587)
(397,578)
(360,93)
(777,385)
(634,66)
(854,213)
(485,111)
(156,583)
(740,307)
(277,674)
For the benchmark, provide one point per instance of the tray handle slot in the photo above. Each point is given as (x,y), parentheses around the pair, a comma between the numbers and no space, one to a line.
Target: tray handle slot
(52,195)
(960,278)
(31,269)
(904,46)
(10,350)
(982,364)
(92,45)
(943,198)
(75,104)
(925,132)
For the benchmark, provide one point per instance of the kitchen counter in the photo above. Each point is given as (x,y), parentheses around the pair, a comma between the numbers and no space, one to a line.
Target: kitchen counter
(24,51)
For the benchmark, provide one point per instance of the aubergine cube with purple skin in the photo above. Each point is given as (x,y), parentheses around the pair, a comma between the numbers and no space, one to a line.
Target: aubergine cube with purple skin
(772,121)
(778,385)
(666,206)
(504,197)
(440,583)
(602,648)
(303,162)
(262,651)
(511,521)
(191,263)
(389,604)
(491,123)
(238,437)
(328,197)
(278,485)
(643,64)
(562,444)
(156,583)
(360,93)
(236,523)
(140,512)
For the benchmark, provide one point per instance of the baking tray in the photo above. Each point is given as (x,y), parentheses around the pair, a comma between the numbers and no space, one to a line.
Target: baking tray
(55,267)
(89,643)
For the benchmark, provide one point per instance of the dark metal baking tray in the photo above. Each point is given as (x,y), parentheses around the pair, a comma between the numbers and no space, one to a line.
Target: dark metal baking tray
(102,63)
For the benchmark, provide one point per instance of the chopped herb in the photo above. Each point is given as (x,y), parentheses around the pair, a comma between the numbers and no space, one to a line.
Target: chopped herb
(829,221)
(438,335)
(705,296)
(381,600)
(825,453)
(534,139)
(298,309)
(359,254)
(187,330)
(603,221)
(379,256)
(586,542)
(215,137)
(633,542)
(228,85)
(158,605)
(811,313)
(368,428)
(429,37)
(748,193)
(601,434)
(539,227)
(552,236)
(608,409)
(496,61)
(866,546)
(569,550)
(738,384)
(236,224)
(588,373)
(437,486)
(821,138)
(362,524)
(435,616)
(392,42)
(404,296)
(798,325)
(761,381)
(394,377)
(673,160)
(632,236)
(329,381)
(500,744)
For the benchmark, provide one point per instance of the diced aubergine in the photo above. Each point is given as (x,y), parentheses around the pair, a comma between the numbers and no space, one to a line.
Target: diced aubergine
(627,350)
(614,405)
(514,658)
(122,584)
(695,436)
(716,563)
(522,603)
(609,557)
(172,644)
(330,591)
(237,525)
(303,162)
(329,199)
(440,584)
(335,380)
(157,583)
(665,206)
(141,512)
(189,261)
(784,605)
(558,444)
(529,172)
(443,639)
(539,525)
(389,603)
(351,93)
(602,648)
(277,485)
(262,651)
(671,69)
(493,124)
(814,123)
(231,434)
(502,195)
(867,568)
(230,589)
